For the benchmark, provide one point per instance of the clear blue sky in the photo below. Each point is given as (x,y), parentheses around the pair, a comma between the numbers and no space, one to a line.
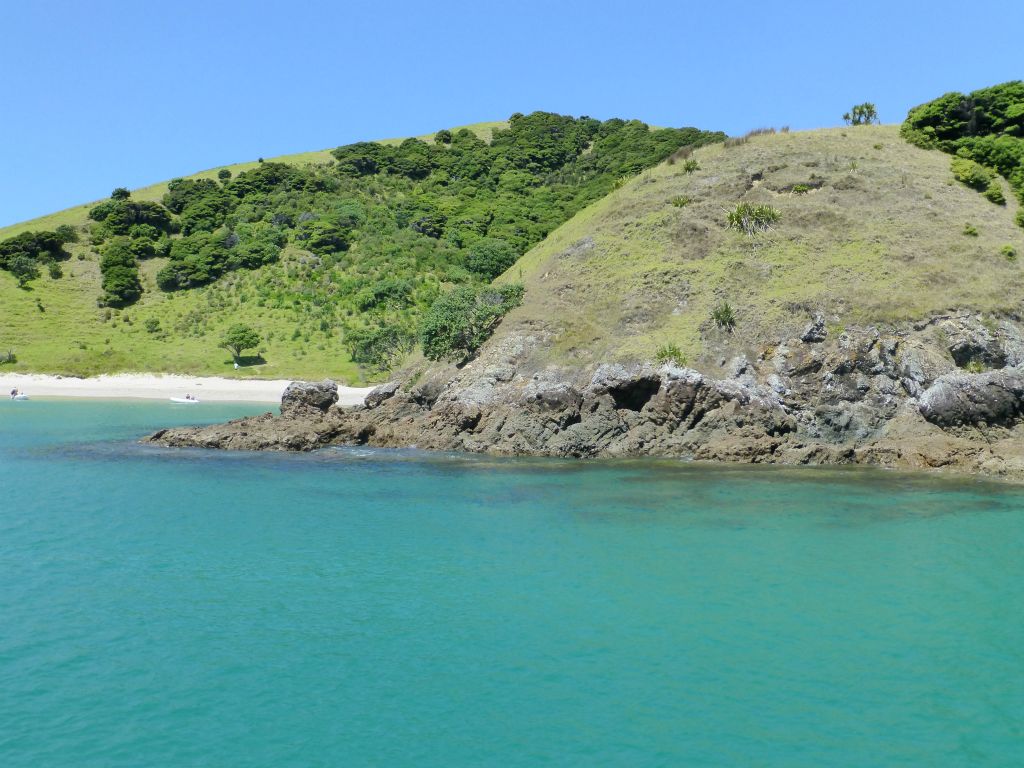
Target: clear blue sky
(101,94)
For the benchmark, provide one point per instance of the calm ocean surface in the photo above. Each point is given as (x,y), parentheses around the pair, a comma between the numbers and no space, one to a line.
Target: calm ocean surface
(382,608)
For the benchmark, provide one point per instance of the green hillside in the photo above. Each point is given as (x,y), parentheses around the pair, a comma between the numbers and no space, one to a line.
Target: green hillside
(329,255)
(869,230)
(621,242)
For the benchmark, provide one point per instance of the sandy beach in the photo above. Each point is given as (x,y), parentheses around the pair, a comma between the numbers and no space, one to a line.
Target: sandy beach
(147,386)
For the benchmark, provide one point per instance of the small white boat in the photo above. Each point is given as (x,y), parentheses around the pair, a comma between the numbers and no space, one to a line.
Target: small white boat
(19,397)
(185,400)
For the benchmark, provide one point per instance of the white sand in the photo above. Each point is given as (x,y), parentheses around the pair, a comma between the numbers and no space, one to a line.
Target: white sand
(161,387)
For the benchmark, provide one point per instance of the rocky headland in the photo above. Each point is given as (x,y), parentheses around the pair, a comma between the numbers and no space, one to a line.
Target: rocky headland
(947,392)
(876,321)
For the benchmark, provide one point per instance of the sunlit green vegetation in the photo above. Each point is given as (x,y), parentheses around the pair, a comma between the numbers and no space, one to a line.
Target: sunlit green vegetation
(351,249)
(985,127)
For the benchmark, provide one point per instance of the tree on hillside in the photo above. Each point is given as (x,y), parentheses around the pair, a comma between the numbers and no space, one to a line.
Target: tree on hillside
(458,322)
(120,194)
(120,273)
(239,338)
(66,233)
(489,257)
(24,268)
(862,114)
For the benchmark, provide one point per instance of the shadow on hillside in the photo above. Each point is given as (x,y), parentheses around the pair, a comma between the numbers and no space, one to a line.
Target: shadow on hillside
(247,361)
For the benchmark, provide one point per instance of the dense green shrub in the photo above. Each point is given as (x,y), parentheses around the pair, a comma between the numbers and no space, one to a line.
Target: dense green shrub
(23,254)
(1019,218)
(202,204)
(363,158)
(971,173)
(24,267)
(119,271)
(42,246)
(201,257)
(66,233)
(994,192)
(490,257)
(321,236)
(986,126)
(945,121)
(1008,251)
(460,321)
(970,230)
(119,216)
(121,285)
(388,293)
(255,245)
(379,347)
(195,259)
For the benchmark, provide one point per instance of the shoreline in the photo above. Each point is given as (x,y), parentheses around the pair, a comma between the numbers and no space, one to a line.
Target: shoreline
(149,386)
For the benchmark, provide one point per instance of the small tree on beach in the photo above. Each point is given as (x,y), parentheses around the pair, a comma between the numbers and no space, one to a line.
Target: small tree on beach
(239,338)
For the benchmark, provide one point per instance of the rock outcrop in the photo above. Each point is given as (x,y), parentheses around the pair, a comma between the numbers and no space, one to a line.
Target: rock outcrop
(894,399)
(995,398)
(308,398)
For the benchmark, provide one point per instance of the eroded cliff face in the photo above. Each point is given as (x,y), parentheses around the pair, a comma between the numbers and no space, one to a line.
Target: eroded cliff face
(909,398)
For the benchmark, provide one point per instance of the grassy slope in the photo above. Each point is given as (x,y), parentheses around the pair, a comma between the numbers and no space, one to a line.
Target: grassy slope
(56,327)
(881,242)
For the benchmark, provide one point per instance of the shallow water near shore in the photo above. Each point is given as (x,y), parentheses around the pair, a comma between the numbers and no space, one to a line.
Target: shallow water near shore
(362,607)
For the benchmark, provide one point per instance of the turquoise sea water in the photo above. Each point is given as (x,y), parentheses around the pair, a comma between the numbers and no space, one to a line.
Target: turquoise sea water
(381,608)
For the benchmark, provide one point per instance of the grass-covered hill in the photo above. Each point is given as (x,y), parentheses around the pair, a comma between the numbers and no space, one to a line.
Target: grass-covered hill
(735,249)
(333,257)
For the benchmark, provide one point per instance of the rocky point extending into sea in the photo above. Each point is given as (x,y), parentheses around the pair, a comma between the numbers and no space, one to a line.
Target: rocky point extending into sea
(896,399)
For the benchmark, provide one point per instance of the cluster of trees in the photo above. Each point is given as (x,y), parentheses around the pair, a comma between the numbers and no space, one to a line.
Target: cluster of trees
(527,180)
(125,231)
(24,255)
(468,208)
(202,256)
(985,126)
(383,230)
